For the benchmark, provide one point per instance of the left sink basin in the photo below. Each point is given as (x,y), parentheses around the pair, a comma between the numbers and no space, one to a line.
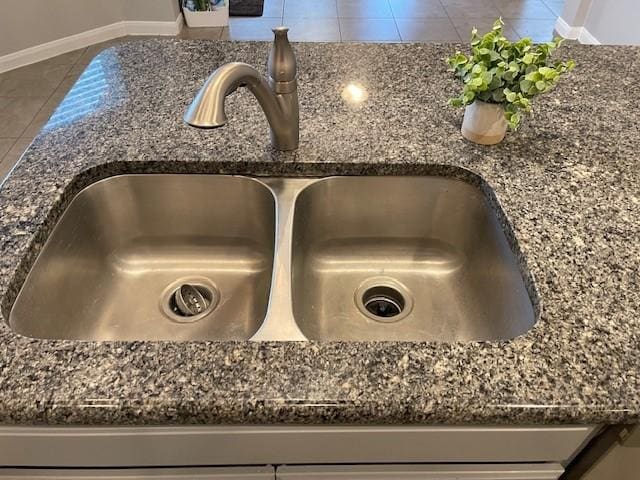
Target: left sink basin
(127,245)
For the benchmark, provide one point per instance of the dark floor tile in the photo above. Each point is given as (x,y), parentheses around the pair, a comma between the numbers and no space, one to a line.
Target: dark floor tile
(310,8)
(17,114)
(534,9)
(539,30)
(556,6)
(484,25)
(5,146)
(250,28)
(364,9)
(273,8)
(470,8)
(36,80)
(69,58)
(427,30)
(413,9)
(313,29)
(369,30)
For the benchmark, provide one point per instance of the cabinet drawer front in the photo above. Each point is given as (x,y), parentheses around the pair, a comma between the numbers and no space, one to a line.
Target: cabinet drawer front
(140,447)
(231,473)
(545,471)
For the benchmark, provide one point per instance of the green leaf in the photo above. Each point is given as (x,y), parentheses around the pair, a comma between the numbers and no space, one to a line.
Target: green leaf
(547,72)
(484,96)
(533,76)
(514,121)
(525,85)
(496,82)
(202,5)
(509,95)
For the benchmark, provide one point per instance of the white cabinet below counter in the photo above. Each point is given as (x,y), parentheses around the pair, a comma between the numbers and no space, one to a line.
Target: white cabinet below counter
(544,471)
(291,452)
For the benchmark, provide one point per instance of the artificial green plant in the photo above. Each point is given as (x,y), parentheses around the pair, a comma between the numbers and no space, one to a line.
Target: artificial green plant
(202,5)
(507,73)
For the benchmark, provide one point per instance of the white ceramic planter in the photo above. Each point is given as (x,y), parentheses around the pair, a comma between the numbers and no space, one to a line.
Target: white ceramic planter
(215,18)
(484,123)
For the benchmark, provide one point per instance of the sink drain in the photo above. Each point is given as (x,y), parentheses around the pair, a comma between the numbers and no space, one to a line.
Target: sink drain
(189,300)
(383,302)
(383,299)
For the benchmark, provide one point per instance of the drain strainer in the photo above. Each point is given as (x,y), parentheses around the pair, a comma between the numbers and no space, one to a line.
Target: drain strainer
(383,299)
(189,299)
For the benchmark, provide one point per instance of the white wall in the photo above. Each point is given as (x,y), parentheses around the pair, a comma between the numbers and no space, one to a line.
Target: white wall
(28,23)
(150,10)
(601,21)
(615,22)
(575,12)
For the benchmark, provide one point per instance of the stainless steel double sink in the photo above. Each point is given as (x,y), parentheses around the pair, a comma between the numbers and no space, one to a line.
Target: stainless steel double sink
(215,257)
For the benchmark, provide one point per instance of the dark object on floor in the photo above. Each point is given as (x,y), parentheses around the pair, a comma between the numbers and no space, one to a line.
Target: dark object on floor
(246,8)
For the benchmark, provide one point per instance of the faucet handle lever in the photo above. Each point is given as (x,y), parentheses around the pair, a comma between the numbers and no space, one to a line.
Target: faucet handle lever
(282,63)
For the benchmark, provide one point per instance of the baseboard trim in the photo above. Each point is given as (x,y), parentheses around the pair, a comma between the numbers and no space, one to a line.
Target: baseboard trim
(47,50)
(575,33)
(587,38)
(567,31)
(133,27)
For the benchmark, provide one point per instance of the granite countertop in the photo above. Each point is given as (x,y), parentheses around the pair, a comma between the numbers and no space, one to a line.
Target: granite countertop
(568,182)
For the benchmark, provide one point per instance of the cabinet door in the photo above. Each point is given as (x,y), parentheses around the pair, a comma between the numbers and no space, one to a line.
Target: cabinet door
(543,471)
(232,473)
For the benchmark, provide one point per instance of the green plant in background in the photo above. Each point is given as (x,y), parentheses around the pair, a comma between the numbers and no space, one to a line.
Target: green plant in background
(504,72)
(202,5)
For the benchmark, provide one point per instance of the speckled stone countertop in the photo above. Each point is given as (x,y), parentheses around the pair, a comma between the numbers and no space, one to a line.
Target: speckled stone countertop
(568,182)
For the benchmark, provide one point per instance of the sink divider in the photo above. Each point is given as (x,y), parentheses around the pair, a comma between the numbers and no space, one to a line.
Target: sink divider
(280,324)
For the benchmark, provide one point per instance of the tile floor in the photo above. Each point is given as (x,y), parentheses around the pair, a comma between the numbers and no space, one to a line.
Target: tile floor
(29,95)
(390,20)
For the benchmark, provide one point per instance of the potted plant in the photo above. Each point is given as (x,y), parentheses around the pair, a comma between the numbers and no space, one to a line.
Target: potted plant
(500,78)
(206,13)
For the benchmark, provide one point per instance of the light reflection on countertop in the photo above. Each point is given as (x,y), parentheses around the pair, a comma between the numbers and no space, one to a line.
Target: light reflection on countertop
(354,93)
(88,94)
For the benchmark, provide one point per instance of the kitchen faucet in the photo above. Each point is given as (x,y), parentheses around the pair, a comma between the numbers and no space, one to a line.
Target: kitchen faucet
(277,95)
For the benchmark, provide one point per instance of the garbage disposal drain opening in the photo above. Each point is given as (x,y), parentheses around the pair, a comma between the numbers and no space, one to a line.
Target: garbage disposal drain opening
(384,299)
(384,302)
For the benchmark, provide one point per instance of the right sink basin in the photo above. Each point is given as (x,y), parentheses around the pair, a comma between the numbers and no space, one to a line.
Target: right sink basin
(403,258)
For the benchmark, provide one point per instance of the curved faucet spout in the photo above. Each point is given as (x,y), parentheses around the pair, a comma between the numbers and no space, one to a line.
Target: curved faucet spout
(207,109)
(278,96)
